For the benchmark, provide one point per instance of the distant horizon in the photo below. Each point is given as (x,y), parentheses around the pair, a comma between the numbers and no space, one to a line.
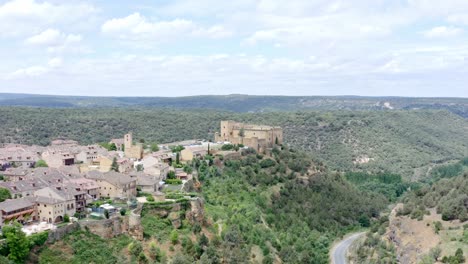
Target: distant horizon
(233,94)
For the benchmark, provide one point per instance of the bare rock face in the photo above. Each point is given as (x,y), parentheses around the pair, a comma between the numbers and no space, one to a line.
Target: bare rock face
(197,212)
(175,219)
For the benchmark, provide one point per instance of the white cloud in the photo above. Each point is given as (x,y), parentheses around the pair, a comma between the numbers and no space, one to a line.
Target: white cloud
(442,32)
(458,18)
(33,71)
(23,16)
(57,42)
(55,62)
(47,37)
(138,27)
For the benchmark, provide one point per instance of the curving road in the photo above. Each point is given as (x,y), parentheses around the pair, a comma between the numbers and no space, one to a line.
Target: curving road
(340,250)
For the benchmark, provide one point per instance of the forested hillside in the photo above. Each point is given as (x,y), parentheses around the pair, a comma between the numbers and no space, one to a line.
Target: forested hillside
(286,205)
(404,142)
(258,209)
(243,103)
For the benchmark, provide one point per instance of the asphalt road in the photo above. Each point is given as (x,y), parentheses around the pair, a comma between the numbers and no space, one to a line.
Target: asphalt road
(339,251)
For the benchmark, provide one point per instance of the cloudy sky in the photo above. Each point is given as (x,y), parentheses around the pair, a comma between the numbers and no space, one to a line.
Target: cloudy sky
(191,47)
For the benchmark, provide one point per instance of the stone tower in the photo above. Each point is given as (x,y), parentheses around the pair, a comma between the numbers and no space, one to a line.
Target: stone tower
(128,141)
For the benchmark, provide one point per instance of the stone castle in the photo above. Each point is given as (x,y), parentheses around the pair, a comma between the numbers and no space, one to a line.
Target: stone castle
(257,137)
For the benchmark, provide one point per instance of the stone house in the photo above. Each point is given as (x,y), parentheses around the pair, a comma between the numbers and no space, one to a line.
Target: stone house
(113,184)
(58,159)
(16,174)
(87,154)
(189,153)
(164,156)
(52,204)
(18,157)
(23,188)
(159,170)
(22,210)
(90,187)
(145,183)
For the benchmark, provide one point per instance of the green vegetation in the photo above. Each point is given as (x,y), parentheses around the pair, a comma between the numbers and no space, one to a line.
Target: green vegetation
(108,146)
(17,243)
(448,196)
(4,194)
(16,246)
(276,207)
(373,249)
(40,163)
(85,247)
(389,185)
(115,165)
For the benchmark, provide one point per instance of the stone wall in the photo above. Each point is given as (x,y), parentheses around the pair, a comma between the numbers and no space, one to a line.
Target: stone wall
(106,228)
(60,232)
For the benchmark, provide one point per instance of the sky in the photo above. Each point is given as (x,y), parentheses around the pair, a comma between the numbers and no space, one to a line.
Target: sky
(259,47)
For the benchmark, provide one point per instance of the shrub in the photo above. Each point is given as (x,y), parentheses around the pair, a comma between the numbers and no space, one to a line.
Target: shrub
(174,237)
(135,248)
(123,211)
(173,181)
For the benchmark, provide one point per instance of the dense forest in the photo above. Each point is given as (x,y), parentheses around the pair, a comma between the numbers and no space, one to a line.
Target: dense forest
(243,103)
(402,142)
(285,205)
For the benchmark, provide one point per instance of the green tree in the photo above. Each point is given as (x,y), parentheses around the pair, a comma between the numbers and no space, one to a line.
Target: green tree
(4,194)
(123,211)
(242,134)
(459,255)
(177,159)
(17,242)
(171,175)
(139,167)
(40,163)
(66,218)
(135,248)
(154,147)
(114,165)
(112,147)
(174,237)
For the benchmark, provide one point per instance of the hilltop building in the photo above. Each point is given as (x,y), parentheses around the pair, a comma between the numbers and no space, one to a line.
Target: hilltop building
(257,137)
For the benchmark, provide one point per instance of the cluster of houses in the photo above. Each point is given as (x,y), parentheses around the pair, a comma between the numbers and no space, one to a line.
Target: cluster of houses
(72,176)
